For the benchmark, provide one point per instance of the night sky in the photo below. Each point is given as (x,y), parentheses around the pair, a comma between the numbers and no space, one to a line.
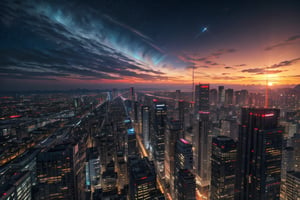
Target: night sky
(100,44)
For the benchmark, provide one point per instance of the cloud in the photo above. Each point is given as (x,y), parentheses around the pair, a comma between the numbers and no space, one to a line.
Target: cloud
(240,65)
(227,67)
(258,71)
(284,63)
(204,62)
(42,40)
(291,40)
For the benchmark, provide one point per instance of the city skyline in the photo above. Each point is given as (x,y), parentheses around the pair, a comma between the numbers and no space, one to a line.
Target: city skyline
(50,45)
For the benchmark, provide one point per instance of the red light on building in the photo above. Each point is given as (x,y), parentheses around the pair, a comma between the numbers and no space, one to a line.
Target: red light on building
(143,178)
(184,141)
(204,86)
(15,116)
(155,100)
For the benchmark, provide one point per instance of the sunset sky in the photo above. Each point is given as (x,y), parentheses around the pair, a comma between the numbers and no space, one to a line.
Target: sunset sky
(98,44)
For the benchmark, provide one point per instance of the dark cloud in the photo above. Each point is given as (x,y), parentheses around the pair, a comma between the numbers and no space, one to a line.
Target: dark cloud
(284,63)
(258,71)
(41,41)
(227,67)
(208,60)
(241,65)
(291,40)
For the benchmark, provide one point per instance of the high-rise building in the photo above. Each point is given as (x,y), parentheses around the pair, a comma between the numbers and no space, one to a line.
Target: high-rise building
(293,185)
(109,179)
(183,160)
(244,97)
(17,186)
(159,126)
(201,97)
(146,125)
(186,185)
(183,155)
(221,95)
(201,146)
(177,98)
(223,160)
(228,97)
(131,142)
(181,113)
(173,132)
(287,164)
(142,179)
(55,172)
(259,155)
(296,146)
(213,97)
(131,94)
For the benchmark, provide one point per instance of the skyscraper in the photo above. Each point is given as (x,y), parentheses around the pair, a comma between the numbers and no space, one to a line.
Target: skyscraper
(201,97)
(221,94)
(293,185)
(181,113)
(223,160)
(228,97)
(173,132)
(55,172)
(177,98)
(259,155)
(159,125)
(183,160)
(146,125)
(296,146)
(186,185)
(201,145)
(142,181)
(213,97)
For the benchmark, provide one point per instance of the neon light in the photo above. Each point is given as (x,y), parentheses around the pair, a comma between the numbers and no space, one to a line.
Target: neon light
(269,115)
(155,100)
(143,178)
(184,141)
(203,112)
(204,86)
(14,116)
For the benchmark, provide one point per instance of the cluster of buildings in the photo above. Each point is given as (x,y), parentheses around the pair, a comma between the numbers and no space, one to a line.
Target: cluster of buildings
(209,144)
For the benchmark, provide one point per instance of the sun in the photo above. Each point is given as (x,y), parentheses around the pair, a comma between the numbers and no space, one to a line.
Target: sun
(270,83)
